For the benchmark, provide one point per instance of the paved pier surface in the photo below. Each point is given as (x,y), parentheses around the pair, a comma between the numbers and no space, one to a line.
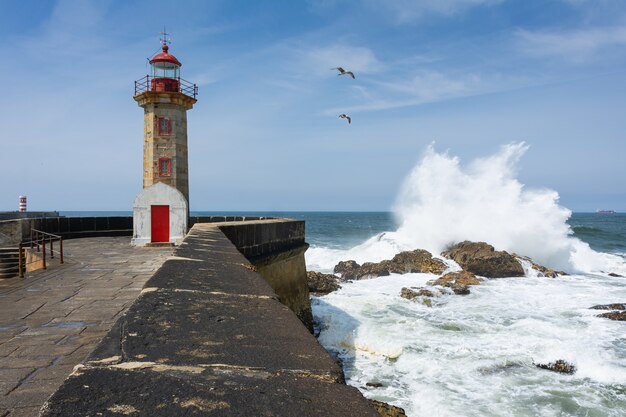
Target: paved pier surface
(51,320)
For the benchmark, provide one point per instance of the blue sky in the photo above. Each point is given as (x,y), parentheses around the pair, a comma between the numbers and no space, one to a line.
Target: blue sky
(469,75)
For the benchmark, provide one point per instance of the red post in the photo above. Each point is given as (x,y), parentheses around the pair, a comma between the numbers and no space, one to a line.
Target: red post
(43,252)
(51,248)
(61,248)
(20,259)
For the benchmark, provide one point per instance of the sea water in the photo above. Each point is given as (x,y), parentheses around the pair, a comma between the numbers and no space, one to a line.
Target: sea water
(475,355)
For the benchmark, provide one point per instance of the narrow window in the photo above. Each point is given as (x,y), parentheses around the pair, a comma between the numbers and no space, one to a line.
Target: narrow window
(165,167)
(164,126)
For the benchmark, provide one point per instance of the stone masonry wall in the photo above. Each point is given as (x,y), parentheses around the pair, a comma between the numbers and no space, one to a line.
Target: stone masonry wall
(208,337)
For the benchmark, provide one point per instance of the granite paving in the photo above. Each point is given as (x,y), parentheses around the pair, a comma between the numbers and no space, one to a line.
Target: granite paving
(52,319)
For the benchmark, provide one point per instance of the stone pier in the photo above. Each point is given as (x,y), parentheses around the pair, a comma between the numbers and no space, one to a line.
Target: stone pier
(51,320)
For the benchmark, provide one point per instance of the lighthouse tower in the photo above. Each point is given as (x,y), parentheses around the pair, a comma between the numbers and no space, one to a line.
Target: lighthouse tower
(160,211)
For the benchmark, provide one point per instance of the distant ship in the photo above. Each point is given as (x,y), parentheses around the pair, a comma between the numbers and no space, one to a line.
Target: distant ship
(605,211)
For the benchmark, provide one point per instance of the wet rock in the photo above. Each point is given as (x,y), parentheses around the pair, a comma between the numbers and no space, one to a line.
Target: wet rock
(417,261)
(347,269)
(408,293)
(375,269)
(614,315)
(460,289)
(482,259)
(388,410)
(414,261)
(422,294)
(321,283)
(458,282)
(411,293)
(559,366)
(543,271)
(374,384)
(613,274)
(616,306)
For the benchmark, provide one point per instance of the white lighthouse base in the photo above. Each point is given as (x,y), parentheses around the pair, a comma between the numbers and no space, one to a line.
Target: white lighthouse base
(159,194)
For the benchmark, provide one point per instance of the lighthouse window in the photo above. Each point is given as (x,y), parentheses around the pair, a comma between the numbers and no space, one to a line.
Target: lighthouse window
(164,126)
(165,167)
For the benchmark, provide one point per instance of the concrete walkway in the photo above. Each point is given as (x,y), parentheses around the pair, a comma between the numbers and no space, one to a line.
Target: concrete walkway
(52,319)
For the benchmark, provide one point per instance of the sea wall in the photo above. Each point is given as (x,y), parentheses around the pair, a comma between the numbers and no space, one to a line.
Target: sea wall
(209,337)
(18,229)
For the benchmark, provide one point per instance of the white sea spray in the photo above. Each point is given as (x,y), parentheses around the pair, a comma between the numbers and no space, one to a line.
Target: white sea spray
(475,355)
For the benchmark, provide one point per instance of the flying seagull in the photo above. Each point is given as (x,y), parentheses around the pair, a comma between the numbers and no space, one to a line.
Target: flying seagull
(344,72)
(345,116)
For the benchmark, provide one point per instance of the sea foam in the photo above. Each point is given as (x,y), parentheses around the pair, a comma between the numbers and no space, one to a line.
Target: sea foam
(443,202)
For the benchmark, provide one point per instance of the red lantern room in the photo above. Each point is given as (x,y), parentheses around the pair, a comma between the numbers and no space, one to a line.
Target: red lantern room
(165,72)
(165,77)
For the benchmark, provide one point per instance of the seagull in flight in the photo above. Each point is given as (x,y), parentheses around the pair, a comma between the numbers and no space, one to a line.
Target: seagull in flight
(344,72)
(345,116)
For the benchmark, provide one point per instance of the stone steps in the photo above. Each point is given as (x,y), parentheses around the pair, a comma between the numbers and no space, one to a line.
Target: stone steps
(9,262)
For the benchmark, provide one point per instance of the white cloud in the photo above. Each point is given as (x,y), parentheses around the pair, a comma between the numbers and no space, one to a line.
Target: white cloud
(405,11)
(417,88)
(578,45)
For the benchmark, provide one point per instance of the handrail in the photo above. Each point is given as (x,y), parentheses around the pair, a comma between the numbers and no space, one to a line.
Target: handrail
(37,242)
(185,87)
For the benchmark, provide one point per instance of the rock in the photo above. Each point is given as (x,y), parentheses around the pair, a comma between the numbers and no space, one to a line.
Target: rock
(609,307)
(374,384)
(460,289)
(414,261)
(614,315)
(457,278)
(543,270)
(423,293)
(411,293)
(321,283)
(458,282)
(347,269)
(417,261)
(613,274)
(482,259)
(559,366)
(388,410)
(374,269)
(408,293)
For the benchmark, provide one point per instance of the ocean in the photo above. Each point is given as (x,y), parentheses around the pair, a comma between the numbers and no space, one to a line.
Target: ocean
(475,355)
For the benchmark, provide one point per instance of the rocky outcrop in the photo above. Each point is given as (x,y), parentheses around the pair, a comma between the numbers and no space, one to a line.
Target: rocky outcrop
(559,366)
(482,259)
(543,271)
(321,284)
(458,282)
(414,261)
(375,269)
(388,410)
(617,306)
(618,313)
(347,269)
(613,274)
(410,293)
(614,315)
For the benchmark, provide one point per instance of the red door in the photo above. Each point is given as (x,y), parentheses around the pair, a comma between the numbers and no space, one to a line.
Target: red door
(160,223)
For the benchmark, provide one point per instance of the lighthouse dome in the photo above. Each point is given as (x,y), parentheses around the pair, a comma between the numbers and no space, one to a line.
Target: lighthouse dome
(165,57)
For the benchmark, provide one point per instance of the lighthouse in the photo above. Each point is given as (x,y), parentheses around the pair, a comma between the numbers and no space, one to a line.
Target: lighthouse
(161,209)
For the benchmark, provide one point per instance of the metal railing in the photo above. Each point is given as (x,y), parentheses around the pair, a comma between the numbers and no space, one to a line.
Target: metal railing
(185,87)
(37,243)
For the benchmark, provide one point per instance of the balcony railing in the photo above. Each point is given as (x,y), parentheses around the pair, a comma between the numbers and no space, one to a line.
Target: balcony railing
(160,84)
